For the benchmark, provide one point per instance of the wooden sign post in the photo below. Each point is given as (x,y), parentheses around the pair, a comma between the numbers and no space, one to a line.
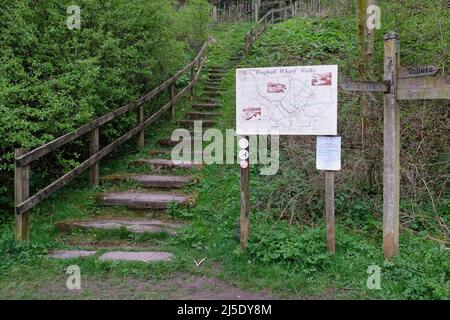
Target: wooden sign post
(253,118)
(245,202)
(328,159)
(400,83)
(329,205)
(391,174)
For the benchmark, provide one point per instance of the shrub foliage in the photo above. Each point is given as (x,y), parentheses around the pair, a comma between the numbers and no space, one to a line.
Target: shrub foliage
(53,80)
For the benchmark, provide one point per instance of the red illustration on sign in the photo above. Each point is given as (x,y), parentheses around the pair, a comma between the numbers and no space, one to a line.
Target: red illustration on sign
(276,87)
(322,79)
(251,113)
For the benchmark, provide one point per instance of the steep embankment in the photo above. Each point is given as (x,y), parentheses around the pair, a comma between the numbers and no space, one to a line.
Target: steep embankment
(288,224)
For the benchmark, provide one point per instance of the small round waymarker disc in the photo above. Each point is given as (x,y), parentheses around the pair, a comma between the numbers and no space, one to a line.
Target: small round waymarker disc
(243,143)
(243,154)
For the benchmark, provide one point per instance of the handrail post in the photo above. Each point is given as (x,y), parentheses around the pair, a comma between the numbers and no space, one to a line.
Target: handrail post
(192,91)
(94,145)
(21,193)
(172,105)
(141,138)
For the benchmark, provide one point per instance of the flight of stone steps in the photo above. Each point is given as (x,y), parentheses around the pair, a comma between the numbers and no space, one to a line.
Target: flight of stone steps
(159,188)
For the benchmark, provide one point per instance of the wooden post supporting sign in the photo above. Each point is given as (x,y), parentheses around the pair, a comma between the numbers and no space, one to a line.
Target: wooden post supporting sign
(328,159)
(245,202)
(329,203)
(400,83)
(391,173)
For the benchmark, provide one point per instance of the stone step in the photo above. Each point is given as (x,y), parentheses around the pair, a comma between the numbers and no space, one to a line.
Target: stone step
(221,70)
(111,223)
(144,200)
(209,100)
(190,123)
(216,86)
(217,68)
(205,106)
(167,142)
(142,256)
(133,256)
(202,115)
(71,254)
(208,90)
(169,152)
(167,164)
(153,181)
(212,93)
(212,88)
(215,74)
(159,151)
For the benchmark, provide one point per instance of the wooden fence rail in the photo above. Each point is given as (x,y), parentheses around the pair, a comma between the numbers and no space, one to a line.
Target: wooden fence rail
(23,157)
(298,8)
(271,17)
(241,11)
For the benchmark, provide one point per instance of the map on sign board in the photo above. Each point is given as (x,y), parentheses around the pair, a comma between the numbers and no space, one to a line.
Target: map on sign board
(287,100)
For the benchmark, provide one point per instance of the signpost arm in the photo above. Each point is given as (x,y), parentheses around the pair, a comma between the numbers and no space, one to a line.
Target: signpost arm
(391,174)
(245,203)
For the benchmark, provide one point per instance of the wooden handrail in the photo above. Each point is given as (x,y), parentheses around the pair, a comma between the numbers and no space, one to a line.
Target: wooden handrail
(23,160)
(255,31)
(242,15)
(39,152)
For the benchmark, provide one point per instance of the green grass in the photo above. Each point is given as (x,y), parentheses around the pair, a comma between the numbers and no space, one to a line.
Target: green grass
(288,260)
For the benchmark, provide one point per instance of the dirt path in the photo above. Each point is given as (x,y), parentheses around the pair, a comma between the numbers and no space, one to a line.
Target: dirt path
(181,286)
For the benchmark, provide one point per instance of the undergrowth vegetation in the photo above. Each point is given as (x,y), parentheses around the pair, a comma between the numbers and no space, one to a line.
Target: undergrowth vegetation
(296,193)
(288,222)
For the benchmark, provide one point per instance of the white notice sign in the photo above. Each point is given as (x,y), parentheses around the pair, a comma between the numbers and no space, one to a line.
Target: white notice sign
(328,153)
(287,100)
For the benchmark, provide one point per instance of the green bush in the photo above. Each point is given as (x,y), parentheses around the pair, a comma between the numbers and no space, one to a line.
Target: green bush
(282,243)
(53,80)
